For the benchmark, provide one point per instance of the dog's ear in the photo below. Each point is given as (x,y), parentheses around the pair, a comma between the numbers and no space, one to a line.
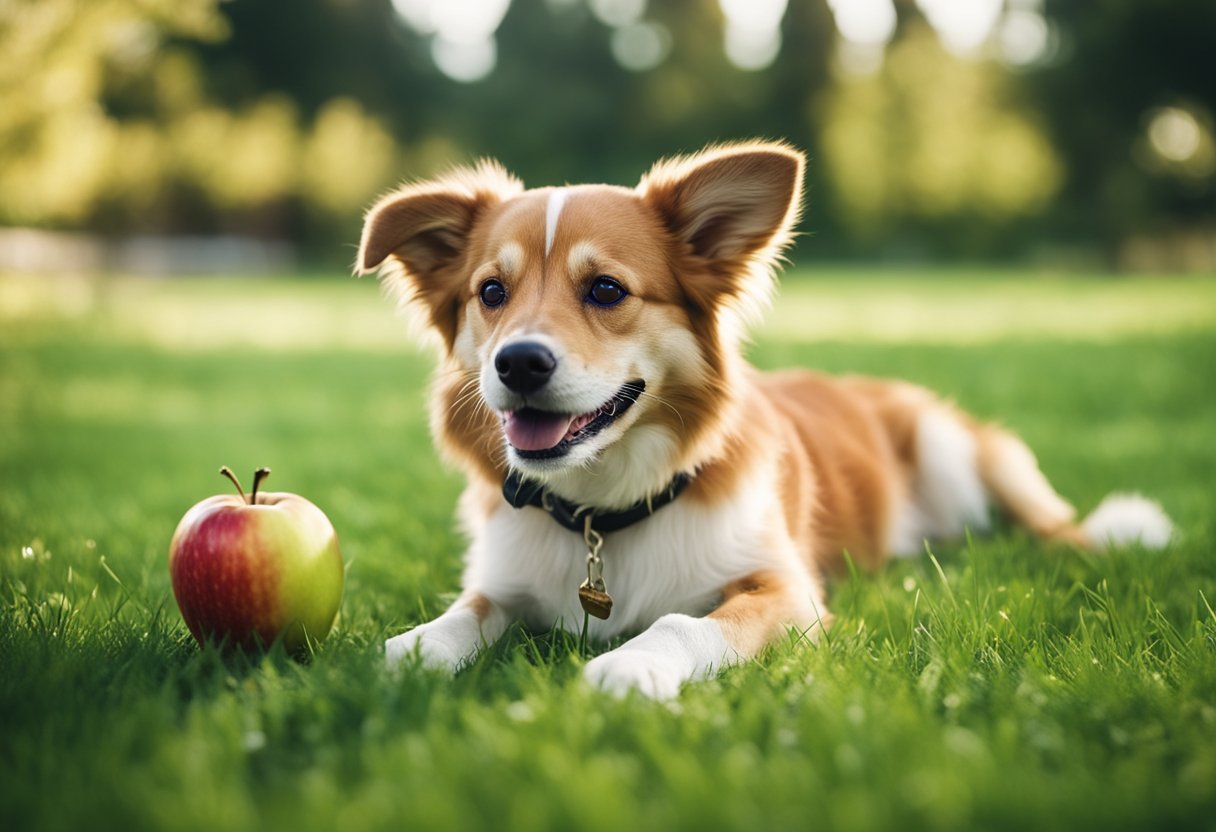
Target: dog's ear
(418,235)
(733,209)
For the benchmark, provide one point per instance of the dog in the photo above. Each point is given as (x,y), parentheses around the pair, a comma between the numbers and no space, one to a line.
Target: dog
(628,471)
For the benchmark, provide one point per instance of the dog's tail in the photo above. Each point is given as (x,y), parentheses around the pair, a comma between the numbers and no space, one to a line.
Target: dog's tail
(1011,475)
(1123,519)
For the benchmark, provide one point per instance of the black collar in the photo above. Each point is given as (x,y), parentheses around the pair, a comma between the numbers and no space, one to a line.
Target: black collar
(520,492)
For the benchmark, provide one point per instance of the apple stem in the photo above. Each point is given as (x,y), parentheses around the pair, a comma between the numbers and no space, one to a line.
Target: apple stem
(227,472)
(258,476)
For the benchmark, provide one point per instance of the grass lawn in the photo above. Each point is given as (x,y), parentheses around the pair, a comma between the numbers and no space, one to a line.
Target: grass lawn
(1005,685)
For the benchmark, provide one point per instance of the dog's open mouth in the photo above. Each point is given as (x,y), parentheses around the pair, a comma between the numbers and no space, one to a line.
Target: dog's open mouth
(540,434)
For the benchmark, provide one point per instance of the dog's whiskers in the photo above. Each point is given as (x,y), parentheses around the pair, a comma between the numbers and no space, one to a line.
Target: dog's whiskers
(462,402)
(665,404)
(467,392)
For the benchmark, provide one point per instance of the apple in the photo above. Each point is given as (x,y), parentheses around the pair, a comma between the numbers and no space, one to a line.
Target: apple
(249,570)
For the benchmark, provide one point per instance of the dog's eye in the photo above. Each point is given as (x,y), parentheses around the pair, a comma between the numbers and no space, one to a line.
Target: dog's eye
(493,293)
(606,291)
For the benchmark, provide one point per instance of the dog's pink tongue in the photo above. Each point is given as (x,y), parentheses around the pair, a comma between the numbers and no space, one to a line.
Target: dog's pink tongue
(531,430)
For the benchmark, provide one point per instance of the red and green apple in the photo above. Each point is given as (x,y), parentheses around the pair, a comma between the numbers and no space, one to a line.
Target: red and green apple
(247,570)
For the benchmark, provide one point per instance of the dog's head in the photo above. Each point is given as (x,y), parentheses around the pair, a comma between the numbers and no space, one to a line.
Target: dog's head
(593,324)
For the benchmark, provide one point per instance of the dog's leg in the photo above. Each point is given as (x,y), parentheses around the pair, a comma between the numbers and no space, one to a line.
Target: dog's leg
(1012,474)
(452,638)
(755,611)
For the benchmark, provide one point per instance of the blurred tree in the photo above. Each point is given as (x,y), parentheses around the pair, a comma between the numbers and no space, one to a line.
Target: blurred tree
(933,144)
(1120,64)
(56,141)
(108,122)
(558,106)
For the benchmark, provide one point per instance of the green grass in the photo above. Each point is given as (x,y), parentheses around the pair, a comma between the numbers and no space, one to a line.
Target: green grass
(1020,686)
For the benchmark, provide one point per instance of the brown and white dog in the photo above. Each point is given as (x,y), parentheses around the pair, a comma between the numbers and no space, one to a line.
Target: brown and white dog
(590,342)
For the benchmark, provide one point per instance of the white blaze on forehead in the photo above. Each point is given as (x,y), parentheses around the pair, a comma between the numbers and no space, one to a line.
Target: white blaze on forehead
(557,198)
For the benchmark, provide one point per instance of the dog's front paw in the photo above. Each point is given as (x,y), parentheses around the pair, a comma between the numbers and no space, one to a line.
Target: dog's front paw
(651,674)
(427,642)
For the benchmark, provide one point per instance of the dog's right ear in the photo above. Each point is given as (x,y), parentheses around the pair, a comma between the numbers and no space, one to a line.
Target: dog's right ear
(418,235)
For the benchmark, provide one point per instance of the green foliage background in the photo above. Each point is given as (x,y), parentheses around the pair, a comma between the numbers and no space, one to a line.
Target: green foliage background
(197,116)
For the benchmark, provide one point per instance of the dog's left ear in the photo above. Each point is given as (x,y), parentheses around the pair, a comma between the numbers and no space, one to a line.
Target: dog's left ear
(733,208)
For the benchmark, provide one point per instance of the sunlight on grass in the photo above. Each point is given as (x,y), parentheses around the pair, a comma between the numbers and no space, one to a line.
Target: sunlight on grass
(190,314)
(812,306)
(961,308)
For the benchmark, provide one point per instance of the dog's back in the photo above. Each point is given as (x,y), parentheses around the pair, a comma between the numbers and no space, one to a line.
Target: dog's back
(880,466)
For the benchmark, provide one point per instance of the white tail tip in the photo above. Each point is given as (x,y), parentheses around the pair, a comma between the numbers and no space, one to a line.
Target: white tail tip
(1124,519)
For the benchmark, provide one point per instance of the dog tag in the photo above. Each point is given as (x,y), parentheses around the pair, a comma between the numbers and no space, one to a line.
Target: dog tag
(594,599)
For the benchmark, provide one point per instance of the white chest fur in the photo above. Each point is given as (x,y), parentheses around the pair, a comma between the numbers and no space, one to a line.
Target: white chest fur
(677,560)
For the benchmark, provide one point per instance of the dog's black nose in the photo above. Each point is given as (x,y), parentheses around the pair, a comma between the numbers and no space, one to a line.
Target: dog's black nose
(525,366)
